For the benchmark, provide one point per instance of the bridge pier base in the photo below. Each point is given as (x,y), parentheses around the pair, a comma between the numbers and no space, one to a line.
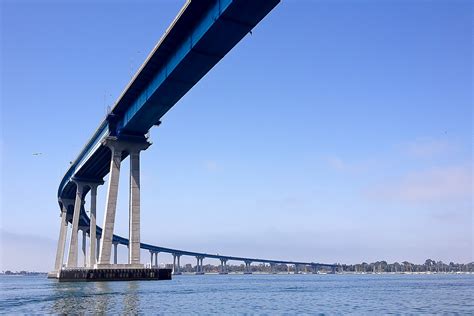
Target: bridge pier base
(116,273)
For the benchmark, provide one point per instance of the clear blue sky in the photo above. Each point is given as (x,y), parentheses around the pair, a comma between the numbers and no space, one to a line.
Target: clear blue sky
(340,131)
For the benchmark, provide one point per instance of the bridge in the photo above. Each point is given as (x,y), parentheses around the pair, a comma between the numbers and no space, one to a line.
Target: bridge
(200,36)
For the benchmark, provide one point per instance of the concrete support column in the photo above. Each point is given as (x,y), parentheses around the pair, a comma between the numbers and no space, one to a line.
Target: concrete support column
(223,266)
(131,145)
(134,209)
(174,263)
(178,267)
(156,259)
(248,270)
(202,266)
(111,205)
(197,265)
(296,269)
(93,225)
(84,246)
(115,253)
(151,258)
(73,245)
(272,268)
(62,238)
(97,249)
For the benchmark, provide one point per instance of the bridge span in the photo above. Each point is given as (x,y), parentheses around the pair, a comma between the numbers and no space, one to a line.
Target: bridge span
(200,36)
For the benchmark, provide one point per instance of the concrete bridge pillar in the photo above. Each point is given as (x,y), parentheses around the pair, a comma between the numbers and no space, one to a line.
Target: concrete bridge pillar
(199,265)
(156,259)
(174,264)
(151,258)
(84,246)
(223,266)
(115,252)
(315,269)
(134,208)
(178,267)
(73,244)
(97,248)
(93,251)
(62,236)
(248,270)
(131,145)
(272,268)
(296,269)
(111,204)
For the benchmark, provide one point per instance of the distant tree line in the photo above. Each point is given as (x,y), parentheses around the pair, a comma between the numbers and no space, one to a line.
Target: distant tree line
(374,267)
(8,272)
(405,266)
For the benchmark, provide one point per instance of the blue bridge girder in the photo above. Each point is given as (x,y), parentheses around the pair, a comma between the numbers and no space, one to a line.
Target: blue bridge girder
(203,32)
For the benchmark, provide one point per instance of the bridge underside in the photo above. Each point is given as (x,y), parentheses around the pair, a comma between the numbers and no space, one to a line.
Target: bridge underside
(201,35)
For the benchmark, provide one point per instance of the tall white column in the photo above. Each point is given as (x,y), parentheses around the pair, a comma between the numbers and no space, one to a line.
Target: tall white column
(111,206)
(93,225)
(151,258)
(84,246)
(73,245)
(174,264)
(134,207)
(62,239)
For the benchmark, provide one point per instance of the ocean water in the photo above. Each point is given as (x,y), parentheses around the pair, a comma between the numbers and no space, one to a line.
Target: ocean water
(244,294)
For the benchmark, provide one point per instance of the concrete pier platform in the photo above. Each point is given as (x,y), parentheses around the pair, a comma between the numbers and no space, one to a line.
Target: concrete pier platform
(101,274)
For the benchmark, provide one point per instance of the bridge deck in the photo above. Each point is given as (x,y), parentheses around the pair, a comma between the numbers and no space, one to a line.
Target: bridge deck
(200,36)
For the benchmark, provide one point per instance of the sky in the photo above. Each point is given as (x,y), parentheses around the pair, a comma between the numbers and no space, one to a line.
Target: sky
(338,131)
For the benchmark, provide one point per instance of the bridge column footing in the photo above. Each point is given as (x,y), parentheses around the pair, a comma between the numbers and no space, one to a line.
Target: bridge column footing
(113,274)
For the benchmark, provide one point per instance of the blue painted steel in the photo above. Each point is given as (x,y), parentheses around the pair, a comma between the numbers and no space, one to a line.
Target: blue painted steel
(145,101)
(186,47)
